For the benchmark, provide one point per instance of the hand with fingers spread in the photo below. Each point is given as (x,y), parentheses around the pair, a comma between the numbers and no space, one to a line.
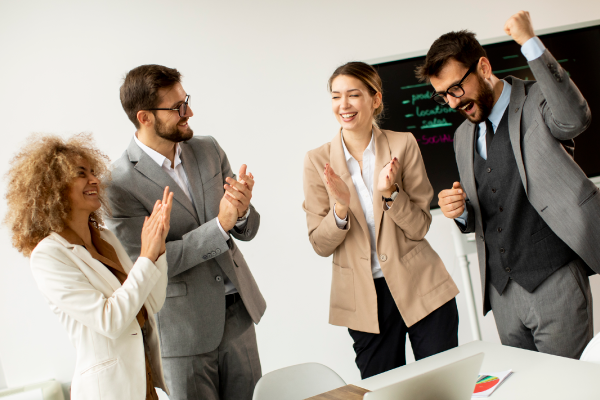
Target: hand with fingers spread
(519,26)
(239,193)
(339,190)
(386,183)
(452,201)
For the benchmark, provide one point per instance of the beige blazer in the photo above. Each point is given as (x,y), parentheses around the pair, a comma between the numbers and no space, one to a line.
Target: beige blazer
(100,315)
(414,272)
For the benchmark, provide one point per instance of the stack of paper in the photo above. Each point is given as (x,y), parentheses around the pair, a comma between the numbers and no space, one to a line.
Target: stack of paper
(488,382)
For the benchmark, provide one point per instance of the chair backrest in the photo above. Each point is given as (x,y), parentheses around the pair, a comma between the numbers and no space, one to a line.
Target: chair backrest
(592,351)
(297,382)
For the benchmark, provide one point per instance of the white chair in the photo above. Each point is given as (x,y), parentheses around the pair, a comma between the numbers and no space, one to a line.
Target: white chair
(592,351)
(297,382)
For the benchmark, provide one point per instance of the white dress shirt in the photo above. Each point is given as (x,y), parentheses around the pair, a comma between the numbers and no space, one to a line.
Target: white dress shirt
(180,177)
(532,49)
(363,183)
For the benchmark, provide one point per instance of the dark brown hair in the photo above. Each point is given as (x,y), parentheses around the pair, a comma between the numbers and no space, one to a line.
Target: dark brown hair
(140,88)
(367,75)
(461,46)
(39,180)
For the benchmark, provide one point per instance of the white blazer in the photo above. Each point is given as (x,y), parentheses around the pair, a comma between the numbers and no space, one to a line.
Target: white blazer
(100,315)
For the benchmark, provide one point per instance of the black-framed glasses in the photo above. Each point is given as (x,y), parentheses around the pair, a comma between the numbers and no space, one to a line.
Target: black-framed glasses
(182,107)
(455,90)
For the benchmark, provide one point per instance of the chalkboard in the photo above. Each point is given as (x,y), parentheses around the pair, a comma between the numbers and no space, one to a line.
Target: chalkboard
(408,107)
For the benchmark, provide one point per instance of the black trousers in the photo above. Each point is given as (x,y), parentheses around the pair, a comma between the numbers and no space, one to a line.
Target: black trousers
(377,353)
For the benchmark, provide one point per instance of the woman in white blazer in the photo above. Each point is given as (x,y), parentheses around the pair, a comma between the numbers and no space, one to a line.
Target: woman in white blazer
(105,302)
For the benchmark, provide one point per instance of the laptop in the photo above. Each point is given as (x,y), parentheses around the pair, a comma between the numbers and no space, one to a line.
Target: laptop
(455,381)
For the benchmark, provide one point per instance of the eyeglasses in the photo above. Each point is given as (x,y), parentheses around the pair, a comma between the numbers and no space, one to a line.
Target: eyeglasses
(455,91)
(182,107)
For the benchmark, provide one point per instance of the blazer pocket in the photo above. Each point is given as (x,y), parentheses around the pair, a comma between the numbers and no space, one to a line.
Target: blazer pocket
(342,288)
(541,235)
(218,178)
(530,131)
(176,289)
(589,197)
(102,365)
(425,267)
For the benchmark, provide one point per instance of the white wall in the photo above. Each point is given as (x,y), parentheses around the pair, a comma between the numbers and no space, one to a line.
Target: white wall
(257,74)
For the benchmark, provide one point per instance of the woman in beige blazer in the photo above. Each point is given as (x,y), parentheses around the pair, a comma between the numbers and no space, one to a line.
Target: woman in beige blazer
(106,303)
(367,202)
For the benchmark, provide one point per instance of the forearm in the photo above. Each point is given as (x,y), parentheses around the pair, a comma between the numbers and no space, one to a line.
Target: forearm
(409,217)
(563,107)
(195,247)
(325,236)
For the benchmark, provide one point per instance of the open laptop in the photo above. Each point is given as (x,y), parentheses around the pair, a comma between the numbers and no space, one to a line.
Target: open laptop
(455,381)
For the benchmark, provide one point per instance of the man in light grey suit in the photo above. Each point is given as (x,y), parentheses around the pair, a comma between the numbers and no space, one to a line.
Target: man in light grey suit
(535,214)
(206,325)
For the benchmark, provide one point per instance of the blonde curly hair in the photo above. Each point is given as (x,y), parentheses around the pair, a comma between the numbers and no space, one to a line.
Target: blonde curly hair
(39,181)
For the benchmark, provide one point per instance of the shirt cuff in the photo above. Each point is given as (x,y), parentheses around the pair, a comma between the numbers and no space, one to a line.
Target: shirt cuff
(533,48)
(242,222)
(225,234)
(341,223)
(463,218)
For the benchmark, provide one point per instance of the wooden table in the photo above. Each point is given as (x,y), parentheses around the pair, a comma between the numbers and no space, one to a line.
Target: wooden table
(348,392)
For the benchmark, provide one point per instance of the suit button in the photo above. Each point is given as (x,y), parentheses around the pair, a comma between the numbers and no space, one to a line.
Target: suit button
(499,229)
(501,209)
(507,269)
(489,170)
(481,237)
(493,190)
(218,251)
(218,278)
(214,253)
(502,250)
(383,257)
(249,231)
(204,257)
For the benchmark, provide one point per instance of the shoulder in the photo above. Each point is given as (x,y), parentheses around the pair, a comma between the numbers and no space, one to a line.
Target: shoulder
(400,141)
(318,156)
(121,170)
(49,248)
(199,143)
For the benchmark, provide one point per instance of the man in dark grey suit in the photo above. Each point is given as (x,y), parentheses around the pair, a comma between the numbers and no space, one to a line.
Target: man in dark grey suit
(535,214)
(206,325)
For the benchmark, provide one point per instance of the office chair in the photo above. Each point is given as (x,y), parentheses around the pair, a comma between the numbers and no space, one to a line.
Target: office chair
(297,382)
(591,353)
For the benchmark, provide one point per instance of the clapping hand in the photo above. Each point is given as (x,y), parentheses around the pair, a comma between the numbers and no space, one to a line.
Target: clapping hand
(339,190)
(156,227)
(387,177)
(236,199)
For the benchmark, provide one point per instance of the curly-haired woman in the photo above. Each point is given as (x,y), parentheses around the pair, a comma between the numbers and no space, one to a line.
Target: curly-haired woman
(55,201)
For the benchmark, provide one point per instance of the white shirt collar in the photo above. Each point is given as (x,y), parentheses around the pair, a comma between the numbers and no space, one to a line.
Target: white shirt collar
(157,157)
(500,106)
(370,147)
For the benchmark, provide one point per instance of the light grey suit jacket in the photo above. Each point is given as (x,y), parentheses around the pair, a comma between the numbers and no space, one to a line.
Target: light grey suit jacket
(551,111)
(193,316)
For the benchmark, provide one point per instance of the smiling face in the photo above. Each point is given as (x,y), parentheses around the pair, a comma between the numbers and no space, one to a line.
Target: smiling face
(83,191)
(352,104)
(477,102)
(168,124)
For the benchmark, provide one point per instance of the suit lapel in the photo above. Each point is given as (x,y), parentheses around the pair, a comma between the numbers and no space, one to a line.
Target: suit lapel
(383,156)
(465,158)
(337,161)
(192,169)
(515,110)
(87,258)
(151,170)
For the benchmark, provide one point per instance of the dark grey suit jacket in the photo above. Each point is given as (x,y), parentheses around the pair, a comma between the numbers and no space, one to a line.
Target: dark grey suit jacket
(551,111)
(193,316)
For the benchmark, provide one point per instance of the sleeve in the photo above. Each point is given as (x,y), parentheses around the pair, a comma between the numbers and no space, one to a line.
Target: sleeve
(323,232)
(67,287)
(466,222)
(563,107)
(533,48)
(158,294)
(410,209)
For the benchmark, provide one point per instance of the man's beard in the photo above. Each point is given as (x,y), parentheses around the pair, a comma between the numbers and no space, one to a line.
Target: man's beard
(484,103)
(172,134)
